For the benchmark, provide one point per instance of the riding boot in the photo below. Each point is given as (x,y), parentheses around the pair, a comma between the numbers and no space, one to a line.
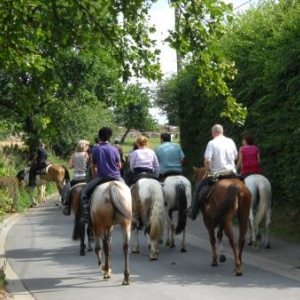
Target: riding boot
(67,208)
(85,211)
(199,198)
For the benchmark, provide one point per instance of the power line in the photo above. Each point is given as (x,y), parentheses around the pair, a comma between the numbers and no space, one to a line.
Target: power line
(242,4)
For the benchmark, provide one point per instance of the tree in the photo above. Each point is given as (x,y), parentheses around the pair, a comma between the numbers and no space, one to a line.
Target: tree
(134,113)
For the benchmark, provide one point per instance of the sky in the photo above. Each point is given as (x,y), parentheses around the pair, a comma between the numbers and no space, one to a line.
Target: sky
(163,17)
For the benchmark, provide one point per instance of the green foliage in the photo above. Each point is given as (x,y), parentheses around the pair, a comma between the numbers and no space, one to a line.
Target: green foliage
(133,113)
(199,27)
(264,44)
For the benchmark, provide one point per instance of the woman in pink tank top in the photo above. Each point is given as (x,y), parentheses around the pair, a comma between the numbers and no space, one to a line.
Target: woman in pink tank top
(249,157)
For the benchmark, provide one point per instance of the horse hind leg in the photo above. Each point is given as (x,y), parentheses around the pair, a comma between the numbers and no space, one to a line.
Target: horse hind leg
(267,234)
(214,255)
(170,232)
(222,256)
(183,242)
(136,247)
(89,232)
(107,252)
(126,238)
(98,250)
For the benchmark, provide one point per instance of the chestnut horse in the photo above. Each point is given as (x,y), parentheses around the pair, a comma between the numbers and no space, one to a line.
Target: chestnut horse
(148,208)
(79,228)
(261,204)
(111,204)
(51,173)
(227,199)
(178,194)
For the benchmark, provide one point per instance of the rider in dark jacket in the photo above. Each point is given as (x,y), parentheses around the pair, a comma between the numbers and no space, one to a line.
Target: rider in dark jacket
(39,162)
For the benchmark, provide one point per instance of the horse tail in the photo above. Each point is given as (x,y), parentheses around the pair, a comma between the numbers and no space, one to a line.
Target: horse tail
(156,220)
(181,201)
(227,204)
(265,199)
(116,199)
(67,174)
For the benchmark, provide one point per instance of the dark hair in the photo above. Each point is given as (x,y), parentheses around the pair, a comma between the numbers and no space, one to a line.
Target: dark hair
(248,138)
(105,134)
(97,140)
(166,137)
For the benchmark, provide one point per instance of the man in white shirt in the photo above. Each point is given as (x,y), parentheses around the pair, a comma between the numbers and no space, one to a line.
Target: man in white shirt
(219,156)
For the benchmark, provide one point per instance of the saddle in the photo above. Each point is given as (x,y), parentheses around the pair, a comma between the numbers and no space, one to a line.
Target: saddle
(44,169)
(214,177)
(137,177)
(162,177)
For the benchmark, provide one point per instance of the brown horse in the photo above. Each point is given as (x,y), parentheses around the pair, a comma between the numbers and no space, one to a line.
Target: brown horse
(79,228)
(228,198)
(111,205)
(52,173)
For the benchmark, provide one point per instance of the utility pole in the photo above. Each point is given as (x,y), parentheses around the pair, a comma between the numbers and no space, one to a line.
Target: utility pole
(177,17)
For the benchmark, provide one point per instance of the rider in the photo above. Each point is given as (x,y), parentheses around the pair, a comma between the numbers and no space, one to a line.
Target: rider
(249,157)
(106,165)
(143,162)
(38,162)
(79,162)
(219,158)
(170,157)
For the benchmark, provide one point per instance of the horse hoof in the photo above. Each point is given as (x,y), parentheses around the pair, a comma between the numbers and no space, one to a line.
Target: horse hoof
(106,276)
(33,205)
(125,282)
(238,273)
(90,249)
(222,258)
(183,250)
(153,258)
(259,237)
(214,264)
(135,251)
(267,246)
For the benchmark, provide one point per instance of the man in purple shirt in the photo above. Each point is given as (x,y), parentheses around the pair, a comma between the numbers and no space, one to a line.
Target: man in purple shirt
(106,165)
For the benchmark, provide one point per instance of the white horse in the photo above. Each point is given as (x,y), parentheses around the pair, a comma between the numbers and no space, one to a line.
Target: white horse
(178,194)
(261,203)
(148,208)
(110,205)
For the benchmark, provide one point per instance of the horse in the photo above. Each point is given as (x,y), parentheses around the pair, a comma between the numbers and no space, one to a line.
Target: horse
(148,211)
(227,199)
(53,173)
(261,203)
(111,204)
(177,194)
(79,228)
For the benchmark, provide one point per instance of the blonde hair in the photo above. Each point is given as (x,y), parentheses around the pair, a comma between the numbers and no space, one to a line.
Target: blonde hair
(82,146)
(142,141)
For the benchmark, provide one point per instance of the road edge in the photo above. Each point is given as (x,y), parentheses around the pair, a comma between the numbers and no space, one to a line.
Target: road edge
(15,285)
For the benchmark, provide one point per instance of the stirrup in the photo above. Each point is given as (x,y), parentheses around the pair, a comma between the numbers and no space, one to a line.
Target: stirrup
(67,210)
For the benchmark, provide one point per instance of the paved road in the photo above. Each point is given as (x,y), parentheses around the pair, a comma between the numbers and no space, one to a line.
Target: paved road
(40,251)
